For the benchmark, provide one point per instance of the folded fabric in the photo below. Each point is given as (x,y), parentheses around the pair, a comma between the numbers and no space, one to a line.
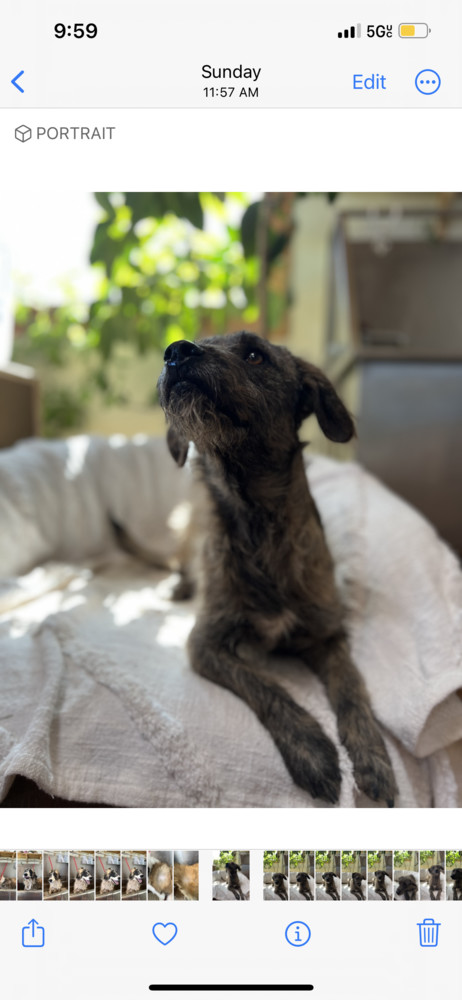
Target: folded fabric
(98,701)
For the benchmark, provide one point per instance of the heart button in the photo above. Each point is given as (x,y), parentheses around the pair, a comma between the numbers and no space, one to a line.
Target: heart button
(164,933)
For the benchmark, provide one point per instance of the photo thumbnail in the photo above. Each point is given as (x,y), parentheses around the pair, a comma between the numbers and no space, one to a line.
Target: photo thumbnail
(8,875)
(231,876)
(107,864)
(82,875)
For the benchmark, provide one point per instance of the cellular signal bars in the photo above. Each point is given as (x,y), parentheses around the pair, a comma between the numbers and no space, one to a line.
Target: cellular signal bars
(353,32)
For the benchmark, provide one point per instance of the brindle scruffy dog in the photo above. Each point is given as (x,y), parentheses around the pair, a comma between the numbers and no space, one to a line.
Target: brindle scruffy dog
(278,885)
(303,885)
(380,884)
(329,885)
(232,879)
(355,887)
(267,582)
(434,881)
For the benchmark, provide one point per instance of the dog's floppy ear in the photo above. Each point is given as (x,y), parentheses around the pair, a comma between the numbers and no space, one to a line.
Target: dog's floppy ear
(317,395)
(178,446)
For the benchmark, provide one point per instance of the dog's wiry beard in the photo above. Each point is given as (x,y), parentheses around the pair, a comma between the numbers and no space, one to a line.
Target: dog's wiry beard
(196,418)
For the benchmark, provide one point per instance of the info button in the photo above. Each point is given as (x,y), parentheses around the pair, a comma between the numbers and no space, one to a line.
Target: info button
(369,81)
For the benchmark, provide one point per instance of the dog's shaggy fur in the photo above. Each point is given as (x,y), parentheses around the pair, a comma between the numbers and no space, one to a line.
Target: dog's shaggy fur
(278,885)
(434,881)
(380,884)
(267,582)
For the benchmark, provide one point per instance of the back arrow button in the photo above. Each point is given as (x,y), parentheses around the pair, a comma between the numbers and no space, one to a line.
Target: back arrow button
(15,81)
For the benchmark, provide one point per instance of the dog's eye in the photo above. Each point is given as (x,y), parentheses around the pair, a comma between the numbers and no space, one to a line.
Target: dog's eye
(255,358)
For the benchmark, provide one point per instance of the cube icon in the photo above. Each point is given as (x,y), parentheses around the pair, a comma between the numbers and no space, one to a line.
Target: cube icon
(23,133)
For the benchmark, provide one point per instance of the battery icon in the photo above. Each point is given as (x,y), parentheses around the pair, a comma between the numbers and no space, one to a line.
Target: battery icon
(413,30)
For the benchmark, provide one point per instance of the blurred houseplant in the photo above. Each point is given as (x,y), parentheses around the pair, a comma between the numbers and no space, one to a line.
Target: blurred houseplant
(170,266)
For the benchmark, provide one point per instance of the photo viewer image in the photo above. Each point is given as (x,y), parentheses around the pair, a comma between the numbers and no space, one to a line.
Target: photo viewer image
(82,875)
(231,876)
(163,357)
(7,875)
(380,876)
(301,876)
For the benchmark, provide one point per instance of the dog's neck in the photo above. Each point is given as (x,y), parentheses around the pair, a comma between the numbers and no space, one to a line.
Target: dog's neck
(259,487)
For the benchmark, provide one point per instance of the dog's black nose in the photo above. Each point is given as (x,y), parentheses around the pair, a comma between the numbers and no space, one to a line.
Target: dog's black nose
(180,351)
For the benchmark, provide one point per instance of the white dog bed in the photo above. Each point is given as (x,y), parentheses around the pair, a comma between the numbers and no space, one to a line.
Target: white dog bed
(98,702)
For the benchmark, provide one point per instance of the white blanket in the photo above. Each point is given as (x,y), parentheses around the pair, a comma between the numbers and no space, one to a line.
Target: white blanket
(98,702)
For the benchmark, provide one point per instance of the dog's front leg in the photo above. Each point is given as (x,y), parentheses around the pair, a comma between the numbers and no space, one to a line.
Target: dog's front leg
(310,757)
(357,727)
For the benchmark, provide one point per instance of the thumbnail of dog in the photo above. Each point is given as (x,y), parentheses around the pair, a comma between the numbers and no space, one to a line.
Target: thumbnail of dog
(278,885)
(82,881)
(303,885)
(32,882)
(232,879)
(134,881)
(434,881)
(160,879)
(380,884)
(109,882)
(55,883)
(329,885)
(355,887)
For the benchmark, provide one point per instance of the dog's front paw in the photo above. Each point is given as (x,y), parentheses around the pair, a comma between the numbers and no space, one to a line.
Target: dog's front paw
(310,756)
(371,764)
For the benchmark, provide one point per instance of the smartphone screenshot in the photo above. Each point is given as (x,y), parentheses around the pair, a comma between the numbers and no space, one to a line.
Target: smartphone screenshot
(230,499)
